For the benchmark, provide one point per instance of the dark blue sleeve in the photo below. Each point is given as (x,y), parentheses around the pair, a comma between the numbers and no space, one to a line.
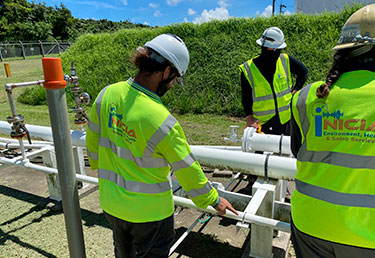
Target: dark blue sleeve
(300,70)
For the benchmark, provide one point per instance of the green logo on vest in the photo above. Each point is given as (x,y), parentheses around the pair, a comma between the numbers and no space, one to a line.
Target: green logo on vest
(118,126)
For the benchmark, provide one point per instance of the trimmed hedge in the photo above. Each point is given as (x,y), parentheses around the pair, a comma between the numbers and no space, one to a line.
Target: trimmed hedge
(216,50)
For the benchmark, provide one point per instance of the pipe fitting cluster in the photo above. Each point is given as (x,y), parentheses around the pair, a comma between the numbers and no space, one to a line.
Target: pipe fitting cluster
(19,129)
(81,99)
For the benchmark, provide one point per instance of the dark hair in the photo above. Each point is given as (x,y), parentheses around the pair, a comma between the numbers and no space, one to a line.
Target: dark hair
(142,60)
(334,73)
(345,60)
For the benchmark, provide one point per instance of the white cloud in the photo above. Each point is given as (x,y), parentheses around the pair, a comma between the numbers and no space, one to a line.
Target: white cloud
(157,13)
(266,13)
(185,19)
(219,13)
(124,2)
(153,5)
(97,5)
(173,2)
(146,23)
(191,11)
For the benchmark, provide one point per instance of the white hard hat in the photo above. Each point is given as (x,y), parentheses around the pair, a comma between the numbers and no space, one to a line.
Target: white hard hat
(359,29)
(173,49)
(272,37)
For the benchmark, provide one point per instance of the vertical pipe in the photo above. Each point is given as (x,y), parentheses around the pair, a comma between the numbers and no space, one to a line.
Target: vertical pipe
(41,48)
(23,51)
(1,55)
(56,99)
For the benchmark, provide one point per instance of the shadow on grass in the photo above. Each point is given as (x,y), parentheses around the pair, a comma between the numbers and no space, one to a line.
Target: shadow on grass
(195,245)
(198,245)
(89,218)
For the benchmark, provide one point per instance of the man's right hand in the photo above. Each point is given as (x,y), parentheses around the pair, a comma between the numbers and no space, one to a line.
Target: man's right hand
(252,122)
(223,206)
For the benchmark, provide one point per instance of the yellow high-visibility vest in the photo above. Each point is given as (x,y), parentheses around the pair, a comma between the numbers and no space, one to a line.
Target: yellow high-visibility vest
(263,100)
(133,141)
(335,183)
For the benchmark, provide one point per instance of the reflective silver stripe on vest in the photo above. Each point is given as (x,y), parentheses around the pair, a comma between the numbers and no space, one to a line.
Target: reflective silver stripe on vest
(272,111)
(132,186)
(143,162)
(335,158)
(159,135)
(93,127)
(185,163)
(92,155)
(328,157)
(99,104)
(283,62)
(344,199)
(301,106)
(198,192)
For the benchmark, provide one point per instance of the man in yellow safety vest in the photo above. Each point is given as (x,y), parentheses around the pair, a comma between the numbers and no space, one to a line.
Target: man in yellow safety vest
(133,141)
(333,124)
(266,84)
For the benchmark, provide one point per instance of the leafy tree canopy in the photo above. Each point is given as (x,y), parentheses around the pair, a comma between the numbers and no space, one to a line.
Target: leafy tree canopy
(23,20)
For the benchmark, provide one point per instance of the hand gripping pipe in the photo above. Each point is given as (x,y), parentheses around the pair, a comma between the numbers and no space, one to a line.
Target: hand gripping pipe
(55,86)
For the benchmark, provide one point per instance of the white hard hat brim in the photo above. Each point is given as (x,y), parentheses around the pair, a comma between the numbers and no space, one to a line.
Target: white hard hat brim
(276,46)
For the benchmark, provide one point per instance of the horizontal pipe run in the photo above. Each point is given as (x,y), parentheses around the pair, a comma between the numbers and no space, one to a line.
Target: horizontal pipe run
(276,167)
(244,217)
(23,84)
(11,141)
(45,133)
(47,170)
(14,145)
(270,143)
(220,147)
(250,163)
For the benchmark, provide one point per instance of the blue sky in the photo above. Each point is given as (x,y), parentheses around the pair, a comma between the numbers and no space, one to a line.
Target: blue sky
(164,12)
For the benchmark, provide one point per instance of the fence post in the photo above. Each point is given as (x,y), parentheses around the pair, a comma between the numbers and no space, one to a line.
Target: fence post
(58,47)
(41,47)
(1,55)
(23,51)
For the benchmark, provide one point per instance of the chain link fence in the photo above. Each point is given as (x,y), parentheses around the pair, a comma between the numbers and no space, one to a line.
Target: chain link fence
(35,48)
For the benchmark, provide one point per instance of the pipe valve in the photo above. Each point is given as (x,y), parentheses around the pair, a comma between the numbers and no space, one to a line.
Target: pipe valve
(233,134)
(19,129)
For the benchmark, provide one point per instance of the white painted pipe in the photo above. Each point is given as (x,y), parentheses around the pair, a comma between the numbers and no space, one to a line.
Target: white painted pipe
(252,141)
(250,163)
(242,216)
(23,84)
(220,147)
(47,170)
(45,133)
(255,164)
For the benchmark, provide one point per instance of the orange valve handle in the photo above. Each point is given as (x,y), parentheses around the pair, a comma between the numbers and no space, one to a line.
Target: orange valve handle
(53,74)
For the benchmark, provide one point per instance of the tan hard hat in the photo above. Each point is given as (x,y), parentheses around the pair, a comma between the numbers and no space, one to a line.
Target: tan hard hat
(359,29)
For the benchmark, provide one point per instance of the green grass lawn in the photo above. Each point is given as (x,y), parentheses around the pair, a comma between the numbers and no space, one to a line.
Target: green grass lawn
(199,129)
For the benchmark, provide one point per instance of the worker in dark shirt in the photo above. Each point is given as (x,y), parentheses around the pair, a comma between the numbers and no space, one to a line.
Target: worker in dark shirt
(267,84)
